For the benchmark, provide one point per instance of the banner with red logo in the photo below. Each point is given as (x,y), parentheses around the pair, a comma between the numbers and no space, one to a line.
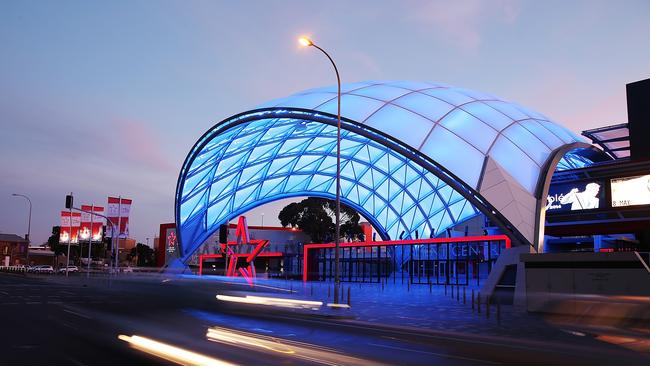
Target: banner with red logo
(118,210)
(97,223)
(66,221)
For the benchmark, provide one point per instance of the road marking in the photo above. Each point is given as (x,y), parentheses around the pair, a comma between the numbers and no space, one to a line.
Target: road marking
(5,293)
(33,303)
(78,314)
(435,354)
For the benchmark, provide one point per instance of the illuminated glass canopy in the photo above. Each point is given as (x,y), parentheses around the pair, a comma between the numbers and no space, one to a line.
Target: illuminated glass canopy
(413,156)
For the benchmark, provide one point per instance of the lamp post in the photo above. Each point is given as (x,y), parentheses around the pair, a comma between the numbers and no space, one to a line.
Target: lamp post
(29,222)
(306,42)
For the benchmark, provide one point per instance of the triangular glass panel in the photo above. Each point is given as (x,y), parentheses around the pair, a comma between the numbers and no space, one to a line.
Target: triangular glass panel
(294,145)
(382,163)
(271,186)
(251,173)
(382,190)
(397,202)
(456,208)
(319,182)
(346,186)
(223,187)
(411,174)
(408,202)
(263,152)
(216,211)
(375,153)
(378,177)
(231,163)
(297,183)
(437,205)
(455,197)
(445,192)
(322,144)
(328,165)
(394,189)
(350,148)
(353,194)
(279,131)
(409,215)
(281,165)
(359,169)
(364,195)
(307,163)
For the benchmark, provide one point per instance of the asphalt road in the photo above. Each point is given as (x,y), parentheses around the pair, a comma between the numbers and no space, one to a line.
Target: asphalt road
(58,321)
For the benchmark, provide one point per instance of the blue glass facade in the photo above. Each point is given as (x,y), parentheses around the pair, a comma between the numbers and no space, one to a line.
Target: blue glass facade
(272,158)
(413,156)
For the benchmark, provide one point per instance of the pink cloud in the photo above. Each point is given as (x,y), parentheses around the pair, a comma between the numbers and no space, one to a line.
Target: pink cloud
(137,143)
(461,22)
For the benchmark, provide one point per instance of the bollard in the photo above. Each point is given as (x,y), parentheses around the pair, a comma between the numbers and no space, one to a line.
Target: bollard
(457,293)
(478,302)
(452,291)
(498,312)
(430,287)
(348,296)
(408,285)
(445,289)
(472,300)
(328,291)
(464,295)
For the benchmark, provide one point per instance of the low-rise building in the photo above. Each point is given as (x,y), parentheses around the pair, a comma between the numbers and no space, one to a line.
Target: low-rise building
(13,250)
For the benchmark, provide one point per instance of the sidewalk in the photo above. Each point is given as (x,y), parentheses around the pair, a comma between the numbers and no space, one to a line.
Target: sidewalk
(419,306)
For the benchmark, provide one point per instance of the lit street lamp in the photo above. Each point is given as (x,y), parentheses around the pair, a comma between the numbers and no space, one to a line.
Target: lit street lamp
(29,222)
(306,42)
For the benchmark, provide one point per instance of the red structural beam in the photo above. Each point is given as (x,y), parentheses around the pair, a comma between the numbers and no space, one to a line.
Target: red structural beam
(236,255)
(464,239)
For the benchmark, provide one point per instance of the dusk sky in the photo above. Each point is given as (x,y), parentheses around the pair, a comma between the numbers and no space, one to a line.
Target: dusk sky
(107,98)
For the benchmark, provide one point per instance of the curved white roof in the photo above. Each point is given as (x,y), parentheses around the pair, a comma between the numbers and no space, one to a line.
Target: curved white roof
(458,128)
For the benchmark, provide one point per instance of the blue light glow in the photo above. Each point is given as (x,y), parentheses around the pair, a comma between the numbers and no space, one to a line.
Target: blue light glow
(403,144)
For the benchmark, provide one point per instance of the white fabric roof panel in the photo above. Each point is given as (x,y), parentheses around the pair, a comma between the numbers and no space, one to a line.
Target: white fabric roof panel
(456,127)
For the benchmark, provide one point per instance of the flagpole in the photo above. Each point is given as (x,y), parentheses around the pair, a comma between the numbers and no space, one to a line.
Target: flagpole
(67,257)
(90,239)
(119,229)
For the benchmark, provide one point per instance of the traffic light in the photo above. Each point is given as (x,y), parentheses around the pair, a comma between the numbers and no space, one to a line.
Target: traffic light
(68,201)
(223,234)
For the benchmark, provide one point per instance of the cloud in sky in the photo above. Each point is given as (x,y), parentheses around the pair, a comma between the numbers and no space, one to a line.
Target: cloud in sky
(461,23)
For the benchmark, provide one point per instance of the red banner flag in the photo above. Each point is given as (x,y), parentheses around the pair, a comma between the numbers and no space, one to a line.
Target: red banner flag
(119,209)
(64,234)
(86,220)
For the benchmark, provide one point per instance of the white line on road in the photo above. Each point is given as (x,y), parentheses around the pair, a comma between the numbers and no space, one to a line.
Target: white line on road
(78,314)
(435,354)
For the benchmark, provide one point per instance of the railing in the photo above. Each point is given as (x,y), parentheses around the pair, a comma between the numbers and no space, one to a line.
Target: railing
(440,261)
(13,269)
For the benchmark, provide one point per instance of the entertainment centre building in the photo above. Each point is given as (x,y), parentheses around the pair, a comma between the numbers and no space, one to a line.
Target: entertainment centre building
(420,160)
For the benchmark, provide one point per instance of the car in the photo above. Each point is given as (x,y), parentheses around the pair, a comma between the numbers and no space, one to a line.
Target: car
(69,269)
(44,269)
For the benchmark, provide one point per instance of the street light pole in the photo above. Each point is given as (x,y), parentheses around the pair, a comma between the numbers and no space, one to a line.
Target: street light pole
(337,270)
(29,222)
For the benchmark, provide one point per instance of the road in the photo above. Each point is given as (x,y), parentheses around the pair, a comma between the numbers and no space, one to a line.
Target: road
(75,321)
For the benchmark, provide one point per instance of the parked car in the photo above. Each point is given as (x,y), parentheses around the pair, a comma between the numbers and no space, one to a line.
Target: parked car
(44,269)
(69,269)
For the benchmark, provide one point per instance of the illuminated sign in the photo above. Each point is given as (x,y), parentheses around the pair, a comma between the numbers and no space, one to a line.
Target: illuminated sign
(631,191)
(171,240)
(575,197)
